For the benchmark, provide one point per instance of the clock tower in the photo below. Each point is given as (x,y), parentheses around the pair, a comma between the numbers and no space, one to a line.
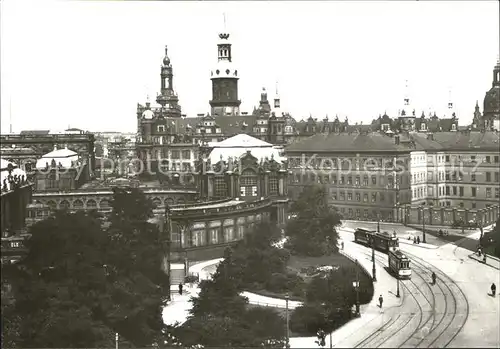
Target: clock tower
(224,78)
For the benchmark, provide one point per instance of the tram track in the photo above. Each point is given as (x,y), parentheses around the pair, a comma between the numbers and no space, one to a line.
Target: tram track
(460,304)
(422,336)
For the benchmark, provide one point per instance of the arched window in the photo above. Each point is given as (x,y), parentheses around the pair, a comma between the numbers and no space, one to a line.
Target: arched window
(104,204)
(91,204)
(248,183)
(52,204)
(78,204)
(273,184)
(157,202)
(169,201)
(64,205)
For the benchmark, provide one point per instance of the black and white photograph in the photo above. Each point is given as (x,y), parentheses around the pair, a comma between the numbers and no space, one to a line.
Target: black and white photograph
(250,174)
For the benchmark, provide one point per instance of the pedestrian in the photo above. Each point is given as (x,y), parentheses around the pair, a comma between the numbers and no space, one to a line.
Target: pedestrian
(381,300)
(418,239)
(479,252)
(414,240)
(433,278)
(484,258)
(493,289)
(180,288)
(342,244)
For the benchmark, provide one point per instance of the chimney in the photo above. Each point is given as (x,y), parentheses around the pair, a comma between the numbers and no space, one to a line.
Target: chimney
(430,136)
(396,139)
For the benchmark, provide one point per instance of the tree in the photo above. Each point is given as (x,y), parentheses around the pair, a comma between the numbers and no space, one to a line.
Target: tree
(81,283)
(312,232)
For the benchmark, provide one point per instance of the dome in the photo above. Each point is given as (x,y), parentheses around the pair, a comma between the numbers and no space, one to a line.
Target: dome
(492,101)
(148,114)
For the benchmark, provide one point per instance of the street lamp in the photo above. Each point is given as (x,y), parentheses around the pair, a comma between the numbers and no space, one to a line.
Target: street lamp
(397,292)
(287,338)
(355,284)
(423,225)
(116,340)
(373,259)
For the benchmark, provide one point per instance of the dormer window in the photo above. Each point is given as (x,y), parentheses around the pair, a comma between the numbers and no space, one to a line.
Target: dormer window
(161,128)
(453,127)
(422,127)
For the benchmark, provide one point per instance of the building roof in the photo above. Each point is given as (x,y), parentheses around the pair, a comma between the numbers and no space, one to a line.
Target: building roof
(238,146)
(63,157)
(462,140)
(241,141)
(348,142)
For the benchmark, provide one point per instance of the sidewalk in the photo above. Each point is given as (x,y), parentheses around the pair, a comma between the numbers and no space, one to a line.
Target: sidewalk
(491,261)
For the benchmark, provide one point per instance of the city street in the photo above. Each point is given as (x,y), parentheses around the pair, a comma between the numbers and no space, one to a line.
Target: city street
(456,312)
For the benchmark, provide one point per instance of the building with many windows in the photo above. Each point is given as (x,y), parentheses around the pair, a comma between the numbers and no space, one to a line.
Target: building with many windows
(456,169)
(367,174)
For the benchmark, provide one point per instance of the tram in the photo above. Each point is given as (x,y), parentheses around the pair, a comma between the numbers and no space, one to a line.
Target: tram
(399,264)
(381,241)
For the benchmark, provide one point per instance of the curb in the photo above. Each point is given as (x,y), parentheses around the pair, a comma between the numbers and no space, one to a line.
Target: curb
(473,257)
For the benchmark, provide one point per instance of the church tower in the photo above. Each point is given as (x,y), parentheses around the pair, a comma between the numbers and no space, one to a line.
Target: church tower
(224,78)
(167,98)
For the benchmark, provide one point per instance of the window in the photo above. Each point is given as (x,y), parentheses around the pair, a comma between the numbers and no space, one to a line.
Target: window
(374,197)
(176,154)
(488,159)
(357,180)
(365,214)
(473,177)
(497,175)
(488,176)
(365,197)
(334,196)
(429,176)
(358,197)
(186,154)
(220,187)
(374,180)
(461,191)
(454,190)
(341,179)
(358,213)
(473,191)
(349,180)
(497,193)
(273,185)
(365,181)
(461,204)
(342,196)
(473,158)
(473,205)
(447,176)
(248,183)
(496,159)
(349,196)
(382,197)
(447,158)
(447,190)
(334,179)
(488,193)
(350,212)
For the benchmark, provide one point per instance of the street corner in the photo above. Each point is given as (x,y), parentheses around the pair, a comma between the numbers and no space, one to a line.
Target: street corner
(492,262)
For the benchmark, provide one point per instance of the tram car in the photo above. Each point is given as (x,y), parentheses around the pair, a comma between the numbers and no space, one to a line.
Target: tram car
(399,264)
(381,241)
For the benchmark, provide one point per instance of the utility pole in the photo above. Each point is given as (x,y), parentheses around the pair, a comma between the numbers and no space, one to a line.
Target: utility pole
(116,340)
(423,225)
(168,244)
(287,343)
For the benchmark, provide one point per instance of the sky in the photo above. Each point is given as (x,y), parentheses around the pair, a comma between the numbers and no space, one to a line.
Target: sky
(87,64)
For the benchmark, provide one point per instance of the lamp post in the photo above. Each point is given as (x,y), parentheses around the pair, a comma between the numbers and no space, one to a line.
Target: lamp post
(423,225)
(397,292)
(373,260)
(116,340)
(355,284)
(287,338)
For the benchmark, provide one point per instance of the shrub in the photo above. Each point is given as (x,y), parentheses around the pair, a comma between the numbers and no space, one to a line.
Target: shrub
(307,319)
